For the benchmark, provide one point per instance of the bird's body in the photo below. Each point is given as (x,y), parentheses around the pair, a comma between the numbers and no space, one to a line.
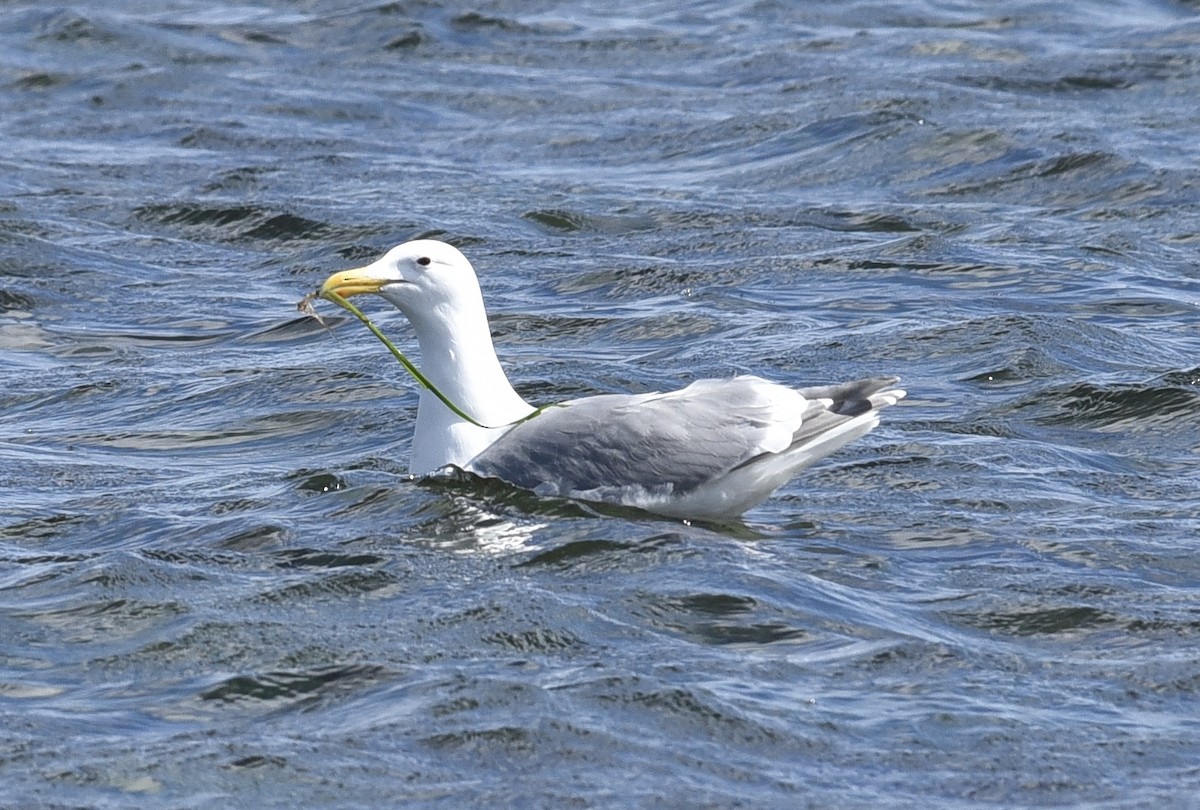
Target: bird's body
(711,450)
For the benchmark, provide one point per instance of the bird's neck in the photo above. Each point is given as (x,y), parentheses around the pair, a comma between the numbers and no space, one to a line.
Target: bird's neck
(458,357)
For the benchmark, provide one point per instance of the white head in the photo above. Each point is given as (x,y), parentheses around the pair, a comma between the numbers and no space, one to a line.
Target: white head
(435,287)
(431,282)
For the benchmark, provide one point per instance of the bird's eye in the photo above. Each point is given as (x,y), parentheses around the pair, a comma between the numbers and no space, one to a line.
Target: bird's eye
(424,261)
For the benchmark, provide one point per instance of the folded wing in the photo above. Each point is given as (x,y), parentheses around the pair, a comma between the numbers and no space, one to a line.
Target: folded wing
(652,449)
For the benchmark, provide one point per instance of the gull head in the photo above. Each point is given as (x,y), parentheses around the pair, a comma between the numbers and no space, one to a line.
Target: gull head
(466,389)
(424,279)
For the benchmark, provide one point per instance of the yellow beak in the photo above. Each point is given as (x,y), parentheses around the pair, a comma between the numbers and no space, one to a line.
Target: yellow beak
(351,282)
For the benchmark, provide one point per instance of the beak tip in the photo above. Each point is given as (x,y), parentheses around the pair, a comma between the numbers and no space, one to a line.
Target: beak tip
(347,283)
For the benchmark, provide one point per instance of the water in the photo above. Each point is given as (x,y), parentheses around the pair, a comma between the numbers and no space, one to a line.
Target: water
(218,586)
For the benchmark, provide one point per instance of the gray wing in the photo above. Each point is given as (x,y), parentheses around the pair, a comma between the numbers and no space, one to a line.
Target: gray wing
(667,442)
(832,405)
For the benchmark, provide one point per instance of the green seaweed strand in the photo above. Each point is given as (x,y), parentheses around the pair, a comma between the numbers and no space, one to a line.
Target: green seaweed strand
(412,369)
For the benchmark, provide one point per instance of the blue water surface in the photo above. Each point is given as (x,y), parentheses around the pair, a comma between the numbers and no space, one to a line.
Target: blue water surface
(219,586)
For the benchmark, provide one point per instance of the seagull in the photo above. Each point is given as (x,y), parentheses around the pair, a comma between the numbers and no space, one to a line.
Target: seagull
(709,451)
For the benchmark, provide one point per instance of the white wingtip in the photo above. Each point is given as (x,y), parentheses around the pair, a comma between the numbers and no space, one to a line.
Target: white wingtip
(883,399)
